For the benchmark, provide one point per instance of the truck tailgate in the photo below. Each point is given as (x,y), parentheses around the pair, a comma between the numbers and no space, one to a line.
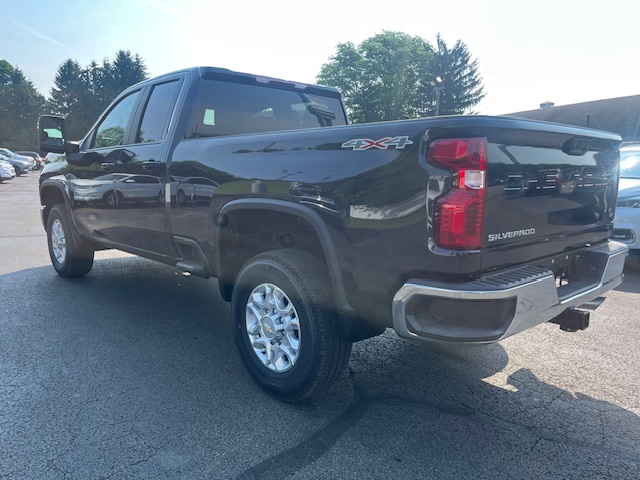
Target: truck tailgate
(551,191)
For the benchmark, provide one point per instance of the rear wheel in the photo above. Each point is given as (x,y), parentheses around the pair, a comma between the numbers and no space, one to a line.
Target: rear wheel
(286,329)
(68,258)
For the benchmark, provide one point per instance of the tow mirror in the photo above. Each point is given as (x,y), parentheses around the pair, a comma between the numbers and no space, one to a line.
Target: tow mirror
(51,134)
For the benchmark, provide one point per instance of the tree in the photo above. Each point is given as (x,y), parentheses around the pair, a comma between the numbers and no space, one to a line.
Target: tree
(390,77)
(381,78)
(82,94)
(462,84)
(6,71)
(127,70)
(20,106)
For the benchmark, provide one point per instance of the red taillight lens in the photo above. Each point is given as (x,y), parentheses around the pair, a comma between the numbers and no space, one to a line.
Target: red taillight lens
(459,213)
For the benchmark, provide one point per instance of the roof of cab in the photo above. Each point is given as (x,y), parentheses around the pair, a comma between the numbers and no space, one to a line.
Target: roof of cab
(223,74)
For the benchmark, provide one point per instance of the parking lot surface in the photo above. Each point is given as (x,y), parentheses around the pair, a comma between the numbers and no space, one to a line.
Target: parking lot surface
(131,372)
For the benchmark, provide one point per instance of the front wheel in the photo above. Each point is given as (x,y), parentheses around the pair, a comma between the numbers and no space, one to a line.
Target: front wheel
(286,328)
(68,258)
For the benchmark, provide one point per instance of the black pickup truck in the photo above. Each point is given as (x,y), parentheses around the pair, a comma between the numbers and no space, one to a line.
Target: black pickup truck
(461,229)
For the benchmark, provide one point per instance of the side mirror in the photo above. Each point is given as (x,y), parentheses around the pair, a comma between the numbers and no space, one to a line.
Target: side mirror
(51,134)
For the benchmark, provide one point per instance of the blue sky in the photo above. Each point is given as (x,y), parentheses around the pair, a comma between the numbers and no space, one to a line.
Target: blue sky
(560,51)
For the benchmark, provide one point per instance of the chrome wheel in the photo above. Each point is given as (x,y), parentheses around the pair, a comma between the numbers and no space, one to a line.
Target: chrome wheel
(273,327)
(58,242)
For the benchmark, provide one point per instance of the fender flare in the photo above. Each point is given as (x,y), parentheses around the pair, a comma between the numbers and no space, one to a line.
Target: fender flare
(307,214)
(61,187)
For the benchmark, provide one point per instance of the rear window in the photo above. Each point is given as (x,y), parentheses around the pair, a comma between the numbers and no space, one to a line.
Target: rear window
(227,108)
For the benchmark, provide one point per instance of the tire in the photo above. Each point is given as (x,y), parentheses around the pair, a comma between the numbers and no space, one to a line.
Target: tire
(68,258)
(307,355)
(18,171)
(109,200)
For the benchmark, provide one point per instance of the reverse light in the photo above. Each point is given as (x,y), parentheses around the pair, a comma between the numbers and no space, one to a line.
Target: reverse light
(459,213)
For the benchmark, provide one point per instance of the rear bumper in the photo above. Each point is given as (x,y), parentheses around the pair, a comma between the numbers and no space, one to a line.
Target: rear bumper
(499,305)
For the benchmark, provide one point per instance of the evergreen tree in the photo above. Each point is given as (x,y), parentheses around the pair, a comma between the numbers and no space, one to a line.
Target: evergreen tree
(127,70)
(462,83)
(83,94)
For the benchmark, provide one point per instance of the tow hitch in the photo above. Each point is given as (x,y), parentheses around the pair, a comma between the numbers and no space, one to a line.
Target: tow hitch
(572,320)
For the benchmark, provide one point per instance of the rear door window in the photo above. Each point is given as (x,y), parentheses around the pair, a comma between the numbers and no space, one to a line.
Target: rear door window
(157,113)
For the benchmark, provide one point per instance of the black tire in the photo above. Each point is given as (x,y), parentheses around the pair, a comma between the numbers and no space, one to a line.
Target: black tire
(77,258)
(110,200)
(323,352)
(18,171)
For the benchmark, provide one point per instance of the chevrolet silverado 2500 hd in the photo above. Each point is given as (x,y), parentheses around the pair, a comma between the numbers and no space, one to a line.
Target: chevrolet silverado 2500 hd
(462,229)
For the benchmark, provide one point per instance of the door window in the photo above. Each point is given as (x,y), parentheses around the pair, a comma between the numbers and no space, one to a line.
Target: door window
(111,131)
(157,113)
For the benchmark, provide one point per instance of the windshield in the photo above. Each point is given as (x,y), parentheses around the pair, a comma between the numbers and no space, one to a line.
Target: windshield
(630,162)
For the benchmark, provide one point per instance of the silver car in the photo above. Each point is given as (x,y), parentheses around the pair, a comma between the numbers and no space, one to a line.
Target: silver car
(20,164)
(7,172)
(626,224)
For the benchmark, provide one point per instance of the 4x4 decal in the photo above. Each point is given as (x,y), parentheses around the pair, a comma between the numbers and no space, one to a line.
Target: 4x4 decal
(382,144)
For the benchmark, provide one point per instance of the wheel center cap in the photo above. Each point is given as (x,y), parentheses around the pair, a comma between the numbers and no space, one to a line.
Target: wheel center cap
(268,328)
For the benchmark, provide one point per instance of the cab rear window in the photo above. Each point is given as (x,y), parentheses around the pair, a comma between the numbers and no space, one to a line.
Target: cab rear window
(227,108)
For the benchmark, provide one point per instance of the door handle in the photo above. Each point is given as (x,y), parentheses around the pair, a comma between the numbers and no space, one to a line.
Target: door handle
(108,166)
(151,165)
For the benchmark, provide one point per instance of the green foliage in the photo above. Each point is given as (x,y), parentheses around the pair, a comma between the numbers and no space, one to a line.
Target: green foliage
(389,77)
(462,83)
(109,137)
(83,94)
(20,106)
(80,94)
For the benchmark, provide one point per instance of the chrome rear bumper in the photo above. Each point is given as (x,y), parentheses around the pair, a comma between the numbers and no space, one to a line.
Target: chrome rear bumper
(502,304)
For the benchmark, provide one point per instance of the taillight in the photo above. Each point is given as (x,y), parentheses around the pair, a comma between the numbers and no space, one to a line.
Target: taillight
(459,213)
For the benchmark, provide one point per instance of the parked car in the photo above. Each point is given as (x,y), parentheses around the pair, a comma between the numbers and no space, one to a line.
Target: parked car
(7,172)
(626,225)
(20,164)
(36,156)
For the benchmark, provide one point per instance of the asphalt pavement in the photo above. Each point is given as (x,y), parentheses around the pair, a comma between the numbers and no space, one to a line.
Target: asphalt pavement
(131,373)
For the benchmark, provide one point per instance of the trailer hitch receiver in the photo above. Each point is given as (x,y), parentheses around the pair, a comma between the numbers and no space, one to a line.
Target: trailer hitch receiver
(572,320)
